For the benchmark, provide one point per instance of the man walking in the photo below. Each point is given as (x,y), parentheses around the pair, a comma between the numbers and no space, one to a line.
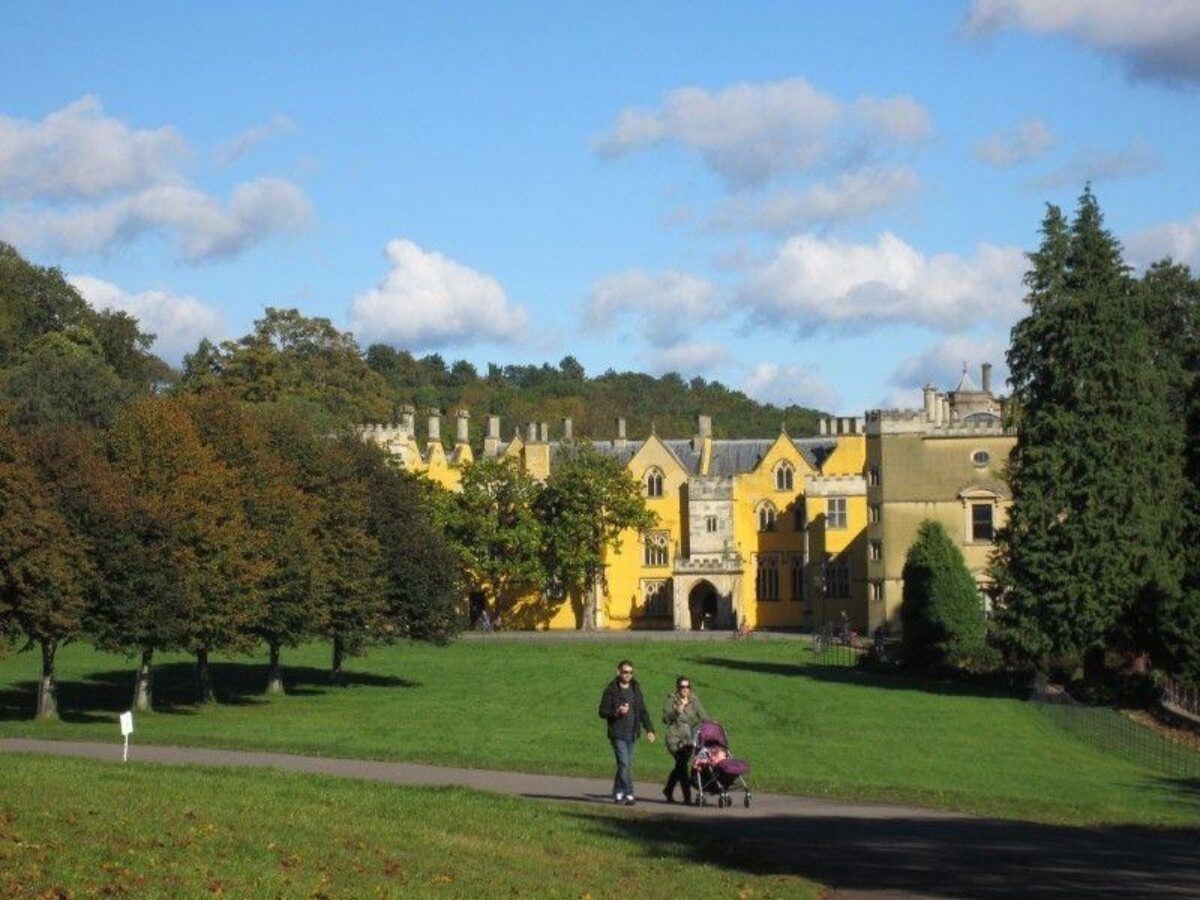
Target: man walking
(623,707)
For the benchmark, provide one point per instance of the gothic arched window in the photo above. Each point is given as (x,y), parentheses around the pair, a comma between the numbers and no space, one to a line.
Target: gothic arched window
(784,476)
(654,482)
(766,516)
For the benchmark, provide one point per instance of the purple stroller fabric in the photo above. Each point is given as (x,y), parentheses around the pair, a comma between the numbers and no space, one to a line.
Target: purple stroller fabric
(729,769)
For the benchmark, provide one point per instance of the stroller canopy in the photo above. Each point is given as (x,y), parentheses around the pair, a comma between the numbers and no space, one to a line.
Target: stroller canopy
(709,734)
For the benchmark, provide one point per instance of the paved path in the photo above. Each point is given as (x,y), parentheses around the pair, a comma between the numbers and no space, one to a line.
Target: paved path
(862,850)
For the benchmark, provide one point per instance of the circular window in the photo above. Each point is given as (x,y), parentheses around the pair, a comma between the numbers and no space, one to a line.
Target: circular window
(981,457)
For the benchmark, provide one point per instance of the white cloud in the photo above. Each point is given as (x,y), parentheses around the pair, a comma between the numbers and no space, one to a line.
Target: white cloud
(848,197)
(78,152)
(200,226)
(664,303)
(233,149)
(786,385)
(80,181)
(1093,166)
(1155,40)
(687,359)
(427,300)
(178,322)
(1025,142)
(751,133)
(1178,240)
(814,282)
(942,363)
(900,118)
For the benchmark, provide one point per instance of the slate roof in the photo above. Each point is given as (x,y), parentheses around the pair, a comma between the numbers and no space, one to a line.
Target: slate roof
(730,457)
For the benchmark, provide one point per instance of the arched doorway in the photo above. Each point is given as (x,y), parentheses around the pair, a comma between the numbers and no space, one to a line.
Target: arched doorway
(702,606)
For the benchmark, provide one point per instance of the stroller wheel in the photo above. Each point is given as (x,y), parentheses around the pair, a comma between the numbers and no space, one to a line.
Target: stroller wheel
(703,801)
(747,800)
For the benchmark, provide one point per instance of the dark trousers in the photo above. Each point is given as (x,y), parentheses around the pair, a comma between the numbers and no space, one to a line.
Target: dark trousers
(681,774)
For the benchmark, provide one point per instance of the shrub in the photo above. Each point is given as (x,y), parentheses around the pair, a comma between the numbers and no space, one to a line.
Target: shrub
(942,611)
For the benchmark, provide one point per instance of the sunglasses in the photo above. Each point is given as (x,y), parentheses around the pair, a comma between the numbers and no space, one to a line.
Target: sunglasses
(685,687)
(626,671)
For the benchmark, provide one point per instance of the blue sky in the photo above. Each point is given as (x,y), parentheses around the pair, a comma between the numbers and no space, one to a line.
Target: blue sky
(822,203)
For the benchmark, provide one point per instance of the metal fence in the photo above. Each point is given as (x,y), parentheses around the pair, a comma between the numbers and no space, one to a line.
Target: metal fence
(1182,698)
(1118,734)
(833,646)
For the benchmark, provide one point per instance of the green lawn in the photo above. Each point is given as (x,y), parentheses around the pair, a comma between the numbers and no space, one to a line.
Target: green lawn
(103,829)
(532,706)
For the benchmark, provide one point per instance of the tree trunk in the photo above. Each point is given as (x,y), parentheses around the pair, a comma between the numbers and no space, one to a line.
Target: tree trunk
(337,673)
(204,685)
(274,672)
(1093,666)
(143,683)
(47,700)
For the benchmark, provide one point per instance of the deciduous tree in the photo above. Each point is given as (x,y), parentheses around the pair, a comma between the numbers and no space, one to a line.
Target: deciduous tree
(493,522)
(588,501)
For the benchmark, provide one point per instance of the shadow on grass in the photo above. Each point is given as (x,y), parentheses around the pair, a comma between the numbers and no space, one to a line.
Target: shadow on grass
(102,696)
(863,677)
(977,858)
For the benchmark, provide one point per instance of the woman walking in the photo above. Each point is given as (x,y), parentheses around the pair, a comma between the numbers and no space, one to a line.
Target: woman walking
(682,712)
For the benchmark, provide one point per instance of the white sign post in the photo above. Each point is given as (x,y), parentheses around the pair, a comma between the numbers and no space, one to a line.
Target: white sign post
(126,731)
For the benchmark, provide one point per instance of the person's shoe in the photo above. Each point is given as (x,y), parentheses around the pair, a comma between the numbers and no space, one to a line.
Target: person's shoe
(669,795)
(687,799)
(629,801)
(619,799)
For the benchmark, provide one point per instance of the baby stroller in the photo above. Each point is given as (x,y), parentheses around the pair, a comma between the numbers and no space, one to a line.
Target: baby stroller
(714,769)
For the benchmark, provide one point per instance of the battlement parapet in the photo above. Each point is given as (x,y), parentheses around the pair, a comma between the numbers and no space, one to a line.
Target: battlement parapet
(835,486)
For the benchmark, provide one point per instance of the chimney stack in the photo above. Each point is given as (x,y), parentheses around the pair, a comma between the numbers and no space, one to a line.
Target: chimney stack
(987,378)
(619,441)
(463,431)
(531,433)
(408,420)
(545,432)
(491,443)
(824,426)
(435,425)
(568,433)
(704,426)
(930,399)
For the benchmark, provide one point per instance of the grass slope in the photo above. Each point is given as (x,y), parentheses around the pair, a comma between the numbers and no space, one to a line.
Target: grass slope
(532,706)
(81,828)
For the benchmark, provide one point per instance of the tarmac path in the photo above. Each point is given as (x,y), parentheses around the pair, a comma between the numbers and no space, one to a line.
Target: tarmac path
(861,850)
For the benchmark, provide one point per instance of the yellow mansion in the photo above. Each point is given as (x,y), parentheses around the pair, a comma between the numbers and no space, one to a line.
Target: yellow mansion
(779,532)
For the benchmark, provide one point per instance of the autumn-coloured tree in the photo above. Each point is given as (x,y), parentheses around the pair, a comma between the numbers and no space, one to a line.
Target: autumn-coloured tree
(45,569)
(282,520)
(191,516)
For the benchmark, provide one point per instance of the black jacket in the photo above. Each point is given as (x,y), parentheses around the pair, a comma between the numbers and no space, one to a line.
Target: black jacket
(629,726)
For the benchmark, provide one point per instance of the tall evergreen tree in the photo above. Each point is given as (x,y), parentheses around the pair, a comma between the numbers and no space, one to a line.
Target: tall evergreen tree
(1172,302)
(1088,552)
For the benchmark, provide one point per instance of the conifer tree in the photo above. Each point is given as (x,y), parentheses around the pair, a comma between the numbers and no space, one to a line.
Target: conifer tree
(1172,303)
(1096,492)
(942,611)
